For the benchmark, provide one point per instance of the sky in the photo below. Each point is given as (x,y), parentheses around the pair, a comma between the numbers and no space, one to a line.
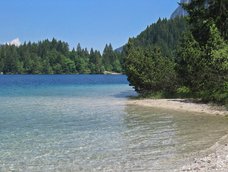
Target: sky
(92,23)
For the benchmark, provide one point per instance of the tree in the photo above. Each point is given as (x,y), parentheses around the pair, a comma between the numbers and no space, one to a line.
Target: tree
(202,14)
(47,68)
(1,60)
(81,65)
(108,57)
(117,66)
(36,67)
(54,57)
(189,62)
(164,34)
(218,10)
(95,60)
(68,66)
(217,67)
(220,93)
(149,71)
(11,60)
(198,19)
(202,55)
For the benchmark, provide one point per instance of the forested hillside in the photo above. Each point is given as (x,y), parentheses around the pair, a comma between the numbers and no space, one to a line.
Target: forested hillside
(164,34)
(55,57)
(149,59)
(198,66)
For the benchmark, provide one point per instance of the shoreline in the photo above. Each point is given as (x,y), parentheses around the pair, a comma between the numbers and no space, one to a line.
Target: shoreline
(214,158)
(111,73)
(182,105)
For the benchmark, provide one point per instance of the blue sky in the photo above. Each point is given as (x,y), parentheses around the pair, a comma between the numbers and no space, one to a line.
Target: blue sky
(93,23)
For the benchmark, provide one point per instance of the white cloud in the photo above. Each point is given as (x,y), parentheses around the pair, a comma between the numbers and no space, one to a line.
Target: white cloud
(15,42)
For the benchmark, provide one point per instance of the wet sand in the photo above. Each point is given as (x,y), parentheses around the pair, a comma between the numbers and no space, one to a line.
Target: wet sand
(183,105)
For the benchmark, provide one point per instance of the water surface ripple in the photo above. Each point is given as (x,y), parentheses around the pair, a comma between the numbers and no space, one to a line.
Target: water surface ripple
(82,123)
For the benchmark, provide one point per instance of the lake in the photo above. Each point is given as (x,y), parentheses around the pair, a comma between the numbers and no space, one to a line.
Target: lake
(83,123)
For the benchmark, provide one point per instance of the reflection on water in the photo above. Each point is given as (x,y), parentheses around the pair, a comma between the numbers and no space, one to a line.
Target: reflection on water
(91,128)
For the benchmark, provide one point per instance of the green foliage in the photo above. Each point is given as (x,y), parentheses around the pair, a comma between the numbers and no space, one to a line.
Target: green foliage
(153,95)
(164,34)
(111,59)
(216,60)
(184,91)
(199,65)
(204,69)
(218,11)
(188,62)
(148,58)
(54,57)
(143,67)
(202,14)
(202,56)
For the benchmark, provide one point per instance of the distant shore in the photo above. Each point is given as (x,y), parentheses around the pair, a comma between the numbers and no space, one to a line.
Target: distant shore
(111,73)
(104,73)
(183,105)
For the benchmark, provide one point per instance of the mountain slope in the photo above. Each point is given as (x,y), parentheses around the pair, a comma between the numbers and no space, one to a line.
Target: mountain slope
(180,11)
(164,34)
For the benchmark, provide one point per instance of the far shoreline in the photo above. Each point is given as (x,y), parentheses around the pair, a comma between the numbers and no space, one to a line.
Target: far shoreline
(105,73)
(182,105)
(112,73)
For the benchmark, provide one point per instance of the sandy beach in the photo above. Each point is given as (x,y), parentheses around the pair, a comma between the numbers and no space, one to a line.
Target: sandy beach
(213,159)
(180,105)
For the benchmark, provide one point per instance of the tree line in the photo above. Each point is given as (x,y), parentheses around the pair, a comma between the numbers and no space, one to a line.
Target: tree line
(55,57)
(194,63)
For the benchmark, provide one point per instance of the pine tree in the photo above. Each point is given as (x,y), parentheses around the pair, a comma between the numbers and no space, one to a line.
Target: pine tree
(188,62)
(203,14)
(149,71)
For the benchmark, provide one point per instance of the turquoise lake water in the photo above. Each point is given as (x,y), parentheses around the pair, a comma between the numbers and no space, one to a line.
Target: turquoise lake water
(83,123)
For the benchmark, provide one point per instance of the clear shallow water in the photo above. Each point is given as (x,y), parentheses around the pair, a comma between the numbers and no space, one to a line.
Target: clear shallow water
(82,123)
